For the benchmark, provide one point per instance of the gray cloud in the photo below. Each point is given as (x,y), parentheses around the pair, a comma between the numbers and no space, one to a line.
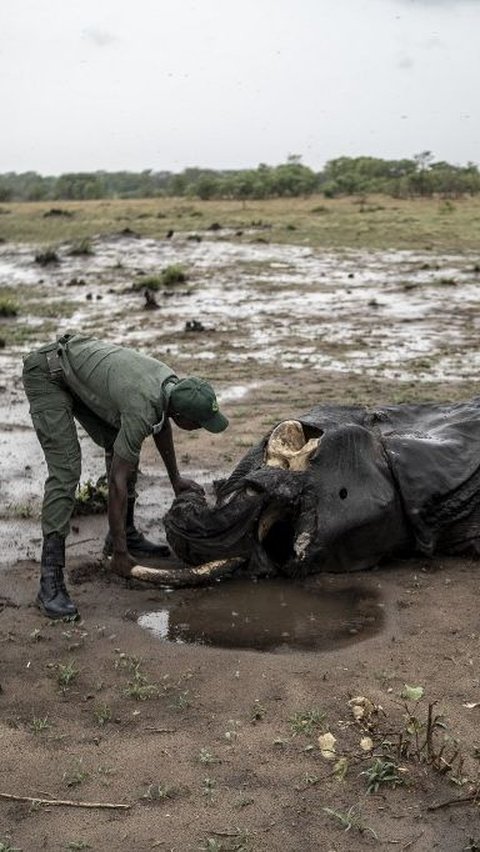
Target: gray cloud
(99,37)
(129,97)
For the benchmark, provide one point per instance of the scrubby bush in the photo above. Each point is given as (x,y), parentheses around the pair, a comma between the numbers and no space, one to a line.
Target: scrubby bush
(83,247)
(168,277)
(46,257)
(8,308)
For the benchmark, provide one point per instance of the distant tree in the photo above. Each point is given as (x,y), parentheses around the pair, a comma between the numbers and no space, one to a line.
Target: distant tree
(6,193)
(207,187)
(359,176)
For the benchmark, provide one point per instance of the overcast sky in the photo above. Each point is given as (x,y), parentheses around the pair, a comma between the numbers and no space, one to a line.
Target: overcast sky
(166,84)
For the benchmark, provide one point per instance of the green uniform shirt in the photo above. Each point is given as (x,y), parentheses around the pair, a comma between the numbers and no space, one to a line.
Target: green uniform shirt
(119,385)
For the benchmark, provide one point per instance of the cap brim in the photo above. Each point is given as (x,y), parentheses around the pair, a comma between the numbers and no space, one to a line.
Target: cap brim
(217,423)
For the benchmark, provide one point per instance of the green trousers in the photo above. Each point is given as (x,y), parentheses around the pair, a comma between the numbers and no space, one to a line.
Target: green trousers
(54,409)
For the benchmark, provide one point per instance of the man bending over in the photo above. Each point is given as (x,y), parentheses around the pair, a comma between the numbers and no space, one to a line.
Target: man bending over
(120,397)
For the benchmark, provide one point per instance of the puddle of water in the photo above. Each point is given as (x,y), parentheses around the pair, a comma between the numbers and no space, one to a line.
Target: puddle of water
(236,392)
(271,615)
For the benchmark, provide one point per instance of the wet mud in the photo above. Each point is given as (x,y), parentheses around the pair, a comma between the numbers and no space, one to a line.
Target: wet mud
(400,315)
(206,729)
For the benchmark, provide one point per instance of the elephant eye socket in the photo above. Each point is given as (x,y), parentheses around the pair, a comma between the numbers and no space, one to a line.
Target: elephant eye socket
(343,493)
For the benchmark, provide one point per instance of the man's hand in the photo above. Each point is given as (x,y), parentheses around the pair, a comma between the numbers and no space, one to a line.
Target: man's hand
(182,484)
(121,563)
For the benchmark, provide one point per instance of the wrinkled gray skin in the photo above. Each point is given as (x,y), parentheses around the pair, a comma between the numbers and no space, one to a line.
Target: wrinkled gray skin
(383,482)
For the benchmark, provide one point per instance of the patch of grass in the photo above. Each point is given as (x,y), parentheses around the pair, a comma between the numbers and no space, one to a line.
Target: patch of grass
(82,248)
(408,223)
(19,334)
(148,282)
(382,773)
(243,802)
(139,688)
(8,308)
(258,712)
(181,701)
(232,731)
(36,635)
(236,840)
(91,498)
(76,775)
(426,740)
(211,845)
(51,309)
(446,206)
(306,722)
(206,756)
(37,725)
(127,661)
(103,714)
(22,510)
(208,789)
(78,844)
(66,674)
(174,274)
(5,846)
(171,275)
(159,792)
(57,211)
(106,770)
(47,257)
(350,819)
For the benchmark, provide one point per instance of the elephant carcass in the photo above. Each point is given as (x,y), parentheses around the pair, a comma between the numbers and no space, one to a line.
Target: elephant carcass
(339,489)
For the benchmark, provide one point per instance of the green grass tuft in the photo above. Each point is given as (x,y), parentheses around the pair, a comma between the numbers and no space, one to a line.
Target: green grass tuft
(8,308)
(171,275)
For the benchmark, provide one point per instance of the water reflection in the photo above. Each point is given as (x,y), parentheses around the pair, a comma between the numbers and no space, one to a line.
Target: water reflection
(273,615)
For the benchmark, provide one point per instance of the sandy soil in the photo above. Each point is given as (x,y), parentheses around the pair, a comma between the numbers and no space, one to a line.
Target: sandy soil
(215,748)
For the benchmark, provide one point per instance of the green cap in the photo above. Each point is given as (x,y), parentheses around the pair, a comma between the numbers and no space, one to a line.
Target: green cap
(195,399)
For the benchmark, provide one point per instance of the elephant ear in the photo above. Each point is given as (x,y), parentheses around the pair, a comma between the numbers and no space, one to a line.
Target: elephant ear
(359,515)
(434,454)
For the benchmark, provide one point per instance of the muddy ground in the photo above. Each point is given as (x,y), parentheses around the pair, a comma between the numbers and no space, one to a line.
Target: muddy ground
(215,747)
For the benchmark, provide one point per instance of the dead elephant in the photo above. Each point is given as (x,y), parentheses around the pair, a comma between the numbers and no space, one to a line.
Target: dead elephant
(339,489)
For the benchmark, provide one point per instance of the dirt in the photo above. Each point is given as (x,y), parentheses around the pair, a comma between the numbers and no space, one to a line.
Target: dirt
(217,748)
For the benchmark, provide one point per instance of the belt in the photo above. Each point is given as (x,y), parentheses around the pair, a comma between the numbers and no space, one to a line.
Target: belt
(54,362)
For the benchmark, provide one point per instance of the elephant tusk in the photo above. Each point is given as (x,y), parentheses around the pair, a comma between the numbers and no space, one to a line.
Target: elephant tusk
(187,576)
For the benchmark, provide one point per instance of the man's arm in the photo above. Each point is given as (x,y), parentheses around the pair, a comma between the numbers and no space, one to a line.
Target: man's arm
(117,510)
(165,446)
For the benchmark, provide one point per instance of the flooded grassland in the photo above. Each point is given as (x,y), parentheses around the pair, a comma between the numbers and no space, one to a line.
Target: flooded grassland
(202,710)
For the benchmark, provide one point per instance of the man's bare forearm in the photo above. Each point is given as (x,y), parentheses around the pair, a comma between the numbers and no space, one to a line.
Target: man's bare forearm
(164,443)
(117,502)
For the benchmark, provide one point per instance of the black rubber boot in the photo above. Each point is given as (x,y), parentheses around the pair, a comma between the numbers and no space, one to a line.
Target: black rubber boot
(53,598)
(138,546)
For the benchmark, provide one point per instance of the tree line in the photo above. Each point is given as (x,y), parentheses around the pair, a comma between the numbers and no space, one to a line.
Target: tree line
(420,176)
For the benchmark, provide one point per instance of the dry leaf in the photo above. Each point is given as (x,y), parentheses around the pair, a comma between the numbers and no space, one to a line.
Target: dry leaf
(327,745)
(412,693)
(362,708)
(366,743)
